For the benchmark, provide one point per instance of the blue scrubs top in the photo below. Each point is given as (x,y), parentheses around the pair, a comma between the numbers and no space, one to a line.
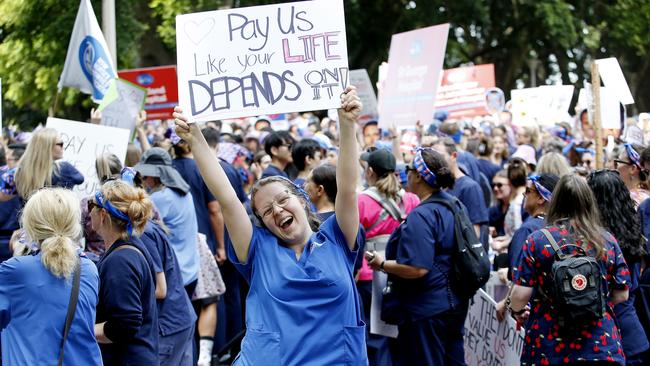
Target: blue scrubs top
(67,176)
(519,239)
(33,307)
(301,312)
(470,194)
(272,170)
(425,240)
(175,312)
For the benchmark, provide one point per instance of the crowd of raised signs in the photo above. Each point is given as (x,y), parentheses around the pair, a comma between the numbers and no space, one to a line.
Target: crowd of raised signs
(177,294)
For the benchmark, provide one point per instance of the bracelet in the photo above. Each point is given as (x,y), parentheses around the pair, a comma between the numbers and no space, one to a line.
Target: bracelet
(514,313)
(381,266)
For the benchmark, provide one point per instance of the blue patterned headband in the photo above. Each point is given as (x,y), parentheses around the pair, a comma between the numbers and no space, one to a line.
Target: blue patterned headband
(543,191)
(633,155)
(422,169)
(582,150)
(106,204)
(300,190)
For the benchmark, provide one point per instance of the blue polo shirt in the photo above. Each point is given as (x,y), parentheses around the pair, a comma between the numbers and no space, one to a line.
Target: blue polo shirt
(175,312)
(301,311)
(178,214)
(425,240)
(33,308)
(201,196)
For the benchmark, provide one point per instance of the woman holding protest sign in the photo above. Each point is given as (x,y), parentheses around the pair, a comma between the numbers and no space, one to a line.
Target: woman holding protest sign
(557,331)
(302,305)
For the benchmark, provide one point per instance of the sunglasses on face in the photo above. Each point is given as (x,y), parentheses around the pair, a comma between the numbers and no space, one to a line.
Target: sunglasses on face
(497,185)
(409,169)
(92,205)
(618,161)
(289,146)
(59,144)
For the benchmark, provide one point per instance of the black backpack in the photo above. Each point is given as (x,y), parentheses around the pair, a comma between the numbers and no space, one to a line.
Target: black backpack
(576,285)
(470,265)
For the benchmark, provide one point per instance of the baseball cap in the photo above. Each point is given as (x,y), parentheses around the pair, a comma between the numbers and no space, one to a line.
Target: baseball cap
(381,161)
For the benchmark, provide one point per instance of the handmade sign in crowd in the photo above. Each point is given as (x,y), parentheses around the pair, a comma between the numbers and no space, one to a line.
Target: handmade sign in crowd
(462,91)
(83,142)
(262,60)
(415,60)
(361,80)
(488,341)
(544,105)
(121,104)
(162,89)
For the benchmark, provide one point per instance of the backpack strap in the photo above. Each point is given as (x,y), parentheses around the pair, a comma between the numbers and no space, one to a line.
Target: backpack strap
(72,308)
(558,250)
(388,205)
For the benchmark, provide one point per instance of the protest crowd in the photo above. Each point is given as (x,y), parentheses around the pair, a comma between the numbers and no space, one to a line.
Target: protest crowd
(335,236)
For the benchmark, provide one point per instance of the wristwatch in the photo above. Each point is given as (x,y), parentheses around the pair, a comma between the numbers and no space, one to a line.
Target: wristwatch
(381,266)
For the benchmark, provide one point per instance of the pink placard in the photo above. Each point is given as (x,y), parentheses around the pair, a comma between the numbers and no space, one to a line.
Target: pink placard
(415,62)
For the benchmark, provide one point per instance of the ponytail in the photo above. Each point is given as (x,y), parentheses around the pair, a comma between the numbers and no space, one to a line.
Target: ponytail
(59,255)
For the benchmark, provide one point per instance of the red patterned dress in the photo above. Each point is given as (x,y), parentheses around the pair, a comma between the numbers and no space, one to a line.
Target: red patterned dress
(546,341)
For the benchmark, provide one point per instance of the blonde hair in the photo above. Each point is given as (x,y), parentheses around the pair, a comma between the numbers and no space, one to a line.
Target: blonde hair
(533,133)
(553,163)
(389,186)
(134,202)
(38,162)
(133,154)
(52,218)
(107,165)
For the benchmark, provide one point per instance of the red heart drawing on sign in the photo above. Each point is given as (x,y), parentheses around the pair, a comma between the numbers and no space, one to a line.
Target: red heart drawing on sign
(197,32)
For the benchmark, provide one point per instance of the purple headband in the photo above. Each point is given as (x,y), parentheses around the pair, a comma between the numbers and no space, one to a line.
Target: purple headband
(543,191)
(633,155)
(422,169)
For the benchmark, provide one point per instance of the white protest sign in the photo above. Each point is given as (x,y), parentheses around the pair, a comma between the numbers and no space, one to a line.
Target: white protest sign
(488,341)
(612,75)
(122,104)
(83,142)
(262,60)
(610,112)
(361,80)
(379,280)
(545,105)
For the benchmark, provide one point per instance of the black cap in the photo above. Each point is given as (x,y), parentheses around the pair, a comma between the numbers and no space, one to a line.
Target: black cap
(381,161)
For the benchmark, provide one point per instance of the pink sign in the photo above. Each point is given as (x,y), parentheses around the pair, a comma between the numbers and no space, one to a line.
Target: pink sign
(415,62)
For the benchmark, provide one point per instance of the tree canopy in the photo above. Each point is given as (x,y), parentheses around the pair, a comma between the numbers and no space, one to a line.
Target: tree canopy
(563,36)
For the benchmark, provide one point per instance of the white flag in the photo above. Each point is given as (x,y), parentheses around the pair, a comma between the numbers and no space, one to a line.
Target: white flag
(88,65)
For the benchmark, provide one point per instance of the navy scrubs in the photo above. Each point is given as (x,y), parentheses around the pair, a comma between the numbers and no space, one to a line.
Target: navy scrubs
(470,194)
(127,303)
(519,239)
(434,316)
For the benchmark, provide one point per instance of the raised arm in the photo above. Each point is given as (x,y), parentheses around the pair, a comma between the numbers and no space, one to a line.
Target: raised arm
(235,217)
(347,171)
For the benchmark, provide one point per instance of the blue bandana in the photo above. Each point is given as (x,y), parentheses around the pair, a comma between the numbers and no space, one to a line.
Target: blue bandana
(422,169)
(543,191)
(633,155)
(106,204)
(582,150)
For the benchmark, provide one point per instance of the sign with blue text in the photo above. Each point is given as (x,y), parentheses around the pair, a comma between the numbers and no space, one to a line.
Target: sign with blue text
(262,60)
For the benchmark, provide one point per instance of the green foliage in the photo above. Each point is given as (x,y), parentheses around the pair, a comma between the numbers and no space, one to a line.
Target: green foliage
(565,35)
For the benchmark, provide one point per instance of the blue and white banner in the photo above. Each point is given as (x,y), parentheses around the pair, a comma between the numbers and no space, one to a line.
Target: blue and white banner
(88,65)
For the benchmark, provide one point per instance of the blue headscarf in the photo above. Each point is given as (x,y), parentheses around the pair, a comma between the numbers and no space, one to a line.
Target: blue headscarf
(422,169)
(102,202)
(543,191)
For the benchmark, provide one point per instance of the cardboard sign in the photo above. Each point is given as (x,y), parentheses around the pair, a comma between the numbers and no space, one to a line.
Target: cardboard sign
(544,105)
(610,111)
(409,91)
(361,80)
(462,91)
(162,89)
(83,142)
(122,104)
(612,75)
(488,341)
(262,60)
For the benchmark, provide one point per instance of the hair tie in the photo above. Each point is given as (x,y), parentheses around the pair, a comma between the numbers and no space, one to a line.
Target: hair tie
(113,211)
(543,191)
(421,167)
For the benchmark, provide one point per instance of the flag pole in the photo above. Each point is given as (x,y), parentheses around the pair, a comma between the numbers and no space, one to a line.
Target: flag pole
(55,105)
